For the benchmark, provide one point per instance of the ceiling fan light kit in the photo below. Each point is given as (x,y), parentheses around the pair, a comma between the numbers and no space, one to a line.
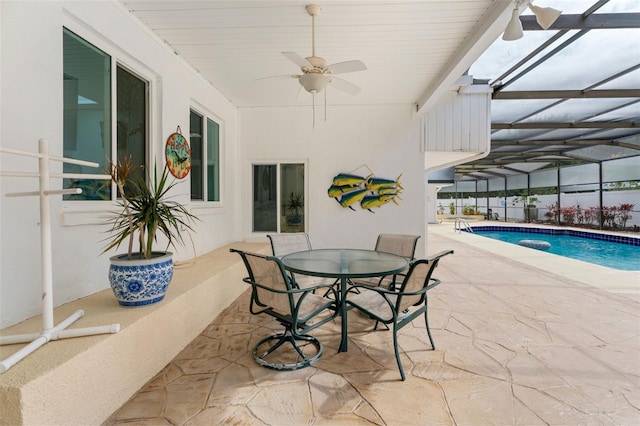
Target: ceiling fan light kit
(313,82)
(545,17)
(316,75)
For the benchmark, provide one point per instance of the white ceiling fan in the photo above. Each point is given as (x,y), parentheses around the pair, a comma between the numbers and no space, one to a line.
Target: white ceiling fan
(316,74)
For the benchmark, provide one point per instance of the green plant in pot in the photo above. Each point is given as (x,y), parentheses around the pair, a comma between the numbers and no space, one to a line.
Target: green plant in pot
(529,205)
(294,208)
(141,277)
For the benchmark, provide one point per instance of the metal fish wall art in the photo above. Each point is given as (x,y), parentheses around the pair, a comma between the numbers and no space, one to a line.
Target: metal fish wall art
(368,191)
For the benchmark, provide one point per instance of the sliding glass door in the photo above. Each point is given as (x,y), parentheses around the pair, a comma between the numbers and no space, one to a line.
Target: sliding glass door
(278,197)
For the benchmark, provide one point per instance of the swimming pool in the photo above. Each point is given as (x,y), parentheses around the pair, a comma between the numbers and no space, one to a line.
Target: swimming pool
(612,251)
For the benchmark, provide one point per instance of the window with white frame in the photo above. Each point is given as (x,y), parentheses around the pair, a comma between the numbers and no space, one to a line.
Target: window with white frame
(204,135)
(278,197)
(89,75)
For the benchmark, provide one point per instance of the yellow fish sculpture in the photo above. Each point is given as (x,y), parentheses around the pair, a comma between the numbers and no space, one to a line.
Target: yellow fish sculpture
(369,191)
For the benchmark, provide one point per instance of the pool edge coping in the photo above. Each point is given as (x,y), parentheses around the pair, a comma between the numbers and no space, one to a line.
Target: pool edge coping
(593,234)
(624,283)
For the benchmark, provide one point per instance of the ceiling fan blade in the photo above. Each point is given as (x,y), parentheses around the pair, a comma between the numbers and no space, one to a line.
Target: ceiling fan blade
(348,66)
(297,59)
(280,77)
(344,85)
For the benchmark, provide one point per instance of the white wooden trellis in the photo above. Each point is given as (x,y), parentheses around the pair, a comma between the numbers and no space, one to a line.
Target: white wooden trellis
(49,331)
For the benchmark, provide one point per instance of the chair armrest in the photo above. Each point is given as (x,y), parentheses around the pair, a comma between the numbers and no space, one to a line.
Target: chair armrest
(292,291)
(435,283)
(383,290)
(439,255)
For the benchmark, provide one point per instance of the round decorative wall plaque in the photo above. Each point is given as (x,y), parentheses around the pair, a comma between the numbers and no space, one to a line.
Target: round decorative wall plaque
(178,155)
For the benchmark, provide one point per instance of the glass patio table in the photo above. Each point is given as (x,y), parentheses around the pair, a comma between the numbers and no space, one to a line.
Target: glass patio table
(344,264)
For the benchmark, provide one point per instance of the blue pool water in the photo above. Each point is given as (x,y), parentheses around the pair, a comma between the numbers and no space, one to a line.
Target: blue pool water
(612,251)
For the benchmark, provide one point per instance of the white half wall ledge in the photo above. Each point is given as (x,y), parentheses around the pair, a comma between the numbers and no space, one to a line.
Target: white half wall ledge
(84,380)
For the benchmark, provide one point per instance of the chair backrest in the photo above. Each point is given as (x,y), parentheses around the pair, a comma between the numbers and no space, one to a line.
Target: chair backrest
(419,276)
(398,244)
(283,244)
(274,289)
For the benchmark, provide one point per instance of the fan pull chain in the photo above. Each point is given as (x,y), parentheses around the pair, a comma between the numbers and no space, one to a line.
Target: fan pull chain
(313,105)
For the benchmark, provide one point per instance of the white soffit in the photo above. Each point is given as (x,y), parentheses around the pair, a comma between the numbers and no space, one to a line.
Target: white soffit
(412,49)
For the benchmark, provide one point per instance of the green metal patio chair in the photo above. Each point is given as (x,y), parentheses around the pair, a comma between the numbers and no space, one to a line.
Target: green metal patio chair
(399,244)
(403,304)
(298,310)
(291,242)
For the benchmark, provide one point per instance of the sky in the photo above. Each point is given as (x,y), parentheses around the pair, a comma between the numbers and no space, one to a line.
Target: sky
(602,52)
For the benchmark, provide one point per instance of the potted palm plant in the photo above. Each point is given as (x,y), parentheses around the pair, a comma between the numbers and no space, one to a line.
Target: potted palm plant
(529,205)
(294,208)
(141,277)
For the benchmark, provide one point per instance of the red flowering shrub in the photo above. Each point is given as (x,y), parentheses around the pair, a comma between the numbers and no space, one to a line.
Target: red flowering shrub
(623,214)
(591,215)
(552,212)
(569,214)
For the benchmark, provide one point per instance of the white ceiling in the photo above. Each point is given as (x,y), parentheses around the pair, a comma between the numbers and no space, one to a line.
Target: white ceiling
(412,49)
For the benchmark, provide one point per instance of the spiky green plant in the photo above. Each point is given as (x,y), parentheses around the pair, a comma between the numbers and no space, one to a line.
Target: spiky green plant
(145,211)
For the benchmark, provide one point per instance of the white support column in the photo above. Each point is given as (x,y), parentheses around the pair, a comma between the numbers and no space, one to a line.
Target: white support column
(46,271)
(49,331)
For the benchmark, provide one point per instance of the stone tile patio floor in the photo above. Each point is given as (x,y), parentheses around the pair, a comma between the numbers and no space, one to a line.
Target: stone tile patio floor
(515,345)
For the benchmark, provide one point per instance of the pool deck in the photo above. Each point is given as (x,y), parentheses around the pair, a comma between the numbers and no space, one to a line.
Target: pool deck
(522,337)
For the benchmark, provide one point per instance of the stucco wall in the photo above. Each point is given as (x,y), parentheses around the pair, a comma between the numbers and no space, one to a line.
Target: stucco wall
(32,99)
(385,139)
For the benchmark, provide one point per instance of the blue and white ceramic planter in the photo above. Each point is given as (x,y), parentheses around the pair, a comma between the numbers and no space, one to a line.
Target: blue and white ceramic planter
(140,282)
